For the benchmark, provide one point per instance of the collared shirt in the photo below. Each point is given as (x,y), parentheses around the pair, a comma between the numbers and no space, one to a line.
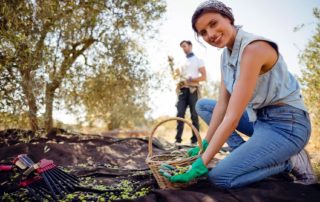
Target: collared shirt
(276,85)
(191,66)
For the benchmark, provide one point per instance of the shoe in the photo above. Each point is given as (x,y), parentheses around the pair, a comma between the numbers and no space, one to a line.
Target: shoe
(302,168)
(177,143)
(225,149)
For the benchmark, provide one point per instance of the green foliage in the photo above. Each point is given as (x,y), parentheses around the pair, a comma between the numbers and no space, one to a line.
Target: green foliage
(51,53)
(117,98)
(310,57)
(10,120)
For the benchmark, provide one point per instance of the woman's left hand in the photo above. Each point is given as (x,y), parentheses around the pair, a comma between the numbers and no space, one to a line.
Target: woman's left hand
(197,169)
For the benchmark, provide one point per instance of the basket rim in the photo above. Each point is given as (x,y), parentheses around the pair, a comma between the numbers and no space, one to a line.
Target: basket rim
(196,132)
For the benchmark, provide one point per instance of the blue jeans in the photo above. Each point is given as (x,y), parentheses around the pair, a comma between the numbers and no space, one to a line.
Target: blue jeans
(279,133)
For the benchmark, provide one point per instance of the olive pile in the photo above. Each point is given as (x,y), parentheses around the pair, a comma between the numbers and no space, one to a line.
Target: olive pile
(126,192)
(122,189)
(169,170)
(125,189)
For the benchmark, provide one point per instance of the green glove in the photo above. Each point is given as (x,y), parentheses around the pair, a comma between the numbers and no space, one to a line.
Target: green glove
(195,151)
(197,169)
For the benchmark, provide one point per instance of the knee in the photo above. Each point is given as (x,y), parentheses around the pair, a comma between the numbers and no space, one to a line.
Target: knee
(181,113)
(204,105)
(199,105)
(220,179)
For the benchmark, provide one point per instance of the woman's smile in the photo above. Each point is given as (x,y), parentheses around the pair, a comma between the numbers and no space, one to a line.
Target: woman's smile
(218,39)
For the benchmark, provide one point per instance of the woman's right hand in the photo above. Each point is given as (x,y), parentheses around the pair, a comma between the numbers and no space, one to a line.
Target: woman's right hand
(195,151)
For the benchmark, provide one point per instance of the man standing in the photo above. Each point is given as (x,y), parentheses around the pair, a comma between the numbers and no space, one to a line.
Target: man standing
(191,74)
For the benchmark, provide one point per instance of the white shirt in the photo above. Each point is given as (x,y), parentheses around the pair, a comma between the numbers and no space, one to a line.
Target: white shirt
(191,66)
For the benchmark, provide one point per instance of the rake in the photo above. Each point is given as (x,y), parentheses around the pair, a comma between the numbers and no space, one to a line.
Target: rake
(52,178)
(45,180)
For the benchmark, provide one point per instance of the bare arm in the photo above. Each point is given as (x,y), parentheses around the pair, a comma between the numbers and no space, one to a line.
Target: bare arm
(255,56)
(203,76)
(218,111)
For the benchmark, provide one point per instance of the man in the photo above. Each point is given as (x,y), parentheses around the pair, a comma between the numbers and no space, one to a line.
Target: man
(191,74)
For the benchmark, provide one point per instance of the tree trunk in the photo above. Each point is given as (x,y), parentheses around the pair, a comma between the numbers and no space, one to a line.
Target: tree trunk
(70,57)
(30,99)
(114,122)
(48,120)
(32,113)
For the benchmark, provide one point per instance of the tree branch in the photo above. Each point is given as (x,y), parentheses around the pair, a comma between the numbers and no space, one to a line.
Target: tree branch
(69,57)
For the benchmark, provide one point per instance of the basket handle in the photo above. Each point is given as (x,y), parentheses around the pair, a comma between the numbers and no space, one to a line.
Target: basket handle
(196,132)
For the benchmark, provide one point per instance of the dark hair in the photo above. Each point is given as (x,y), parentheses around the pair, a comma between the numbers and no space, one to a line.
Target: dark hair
(211,6)
(186,41)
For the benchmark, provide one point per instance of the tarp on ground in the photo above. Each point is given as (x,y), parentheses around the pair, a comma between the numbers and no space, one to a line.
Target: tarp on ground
(109,159)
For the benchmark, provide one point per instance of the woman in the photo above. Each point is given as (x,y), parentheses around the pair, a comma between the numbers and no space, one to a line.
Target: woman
(258,97)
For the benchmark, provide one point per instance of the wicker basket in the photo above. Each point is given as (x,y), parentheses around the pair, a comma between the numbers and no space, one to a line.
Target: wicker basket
(154,161)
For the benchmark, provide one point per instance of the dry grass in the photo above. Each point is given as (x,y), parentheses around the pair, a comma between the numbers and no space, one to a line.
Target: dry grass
(313,148)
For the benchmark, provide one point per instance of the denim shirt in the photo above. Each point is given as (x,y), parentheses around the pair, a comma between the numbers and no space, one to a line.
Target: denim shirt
(276,85)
